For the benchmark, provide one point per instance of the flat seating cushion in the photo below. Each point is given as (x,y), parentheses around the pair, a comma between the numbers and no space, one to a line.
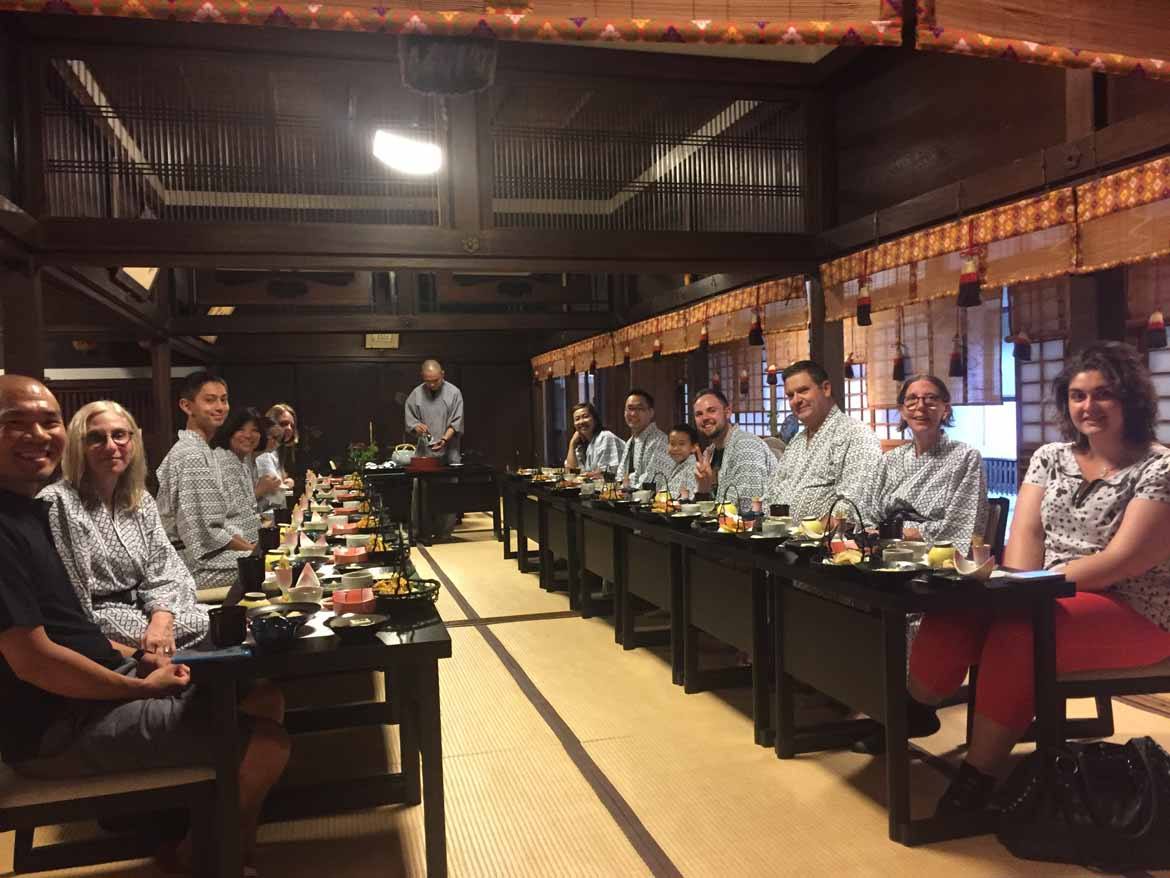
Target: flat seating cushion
(18,791)
(1161,669)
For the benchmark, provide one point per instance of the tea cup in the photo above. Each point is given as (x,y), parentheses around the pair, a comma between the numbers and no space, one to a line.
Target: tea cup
(357,579)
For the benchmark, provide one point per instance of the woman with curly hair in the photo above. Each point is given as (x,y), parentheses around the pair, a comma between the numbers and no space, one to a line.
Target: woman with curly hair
(1096,508)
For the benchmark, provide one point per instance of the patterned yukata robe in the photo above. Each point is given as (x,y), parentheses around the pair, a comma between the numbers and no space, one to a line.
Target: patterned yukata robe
(123,567)
(603,453)
(840,459)
(748,466)
(946,487)
(641,455)
(193,507)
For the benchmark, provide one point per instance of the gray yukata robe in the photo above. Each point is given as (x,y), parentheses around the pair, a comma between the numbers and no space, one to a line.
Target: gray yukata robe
(640,459)
(193,506)
(437,411)
(123,567)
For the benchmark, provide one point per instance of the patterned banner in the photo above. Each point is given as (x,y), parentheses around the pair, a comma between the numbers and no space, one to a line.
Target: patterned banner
(796,22)
(781,303)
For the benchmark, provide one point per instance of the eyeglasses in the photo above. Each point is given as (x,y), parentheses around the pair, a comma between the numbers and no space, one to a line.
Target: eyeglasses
(98,438)
(636,408)
(931,401)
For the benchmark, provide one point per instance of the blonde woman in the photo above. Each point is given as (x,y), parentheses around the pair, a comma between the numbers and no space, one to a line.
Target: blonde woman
(282,415)
(129,578)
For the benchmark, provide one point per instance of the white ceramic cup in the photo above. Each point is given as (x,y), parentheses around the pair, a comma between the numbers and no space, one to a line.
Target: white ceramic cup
(358,541)
(357,579)
(643,496)
(314,551)
(689,508)
(309,594)
(707,507)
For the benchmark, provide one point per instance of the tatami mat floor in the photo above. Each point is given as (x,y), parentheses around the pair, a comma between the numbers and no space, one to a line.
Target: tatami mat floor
(618,773)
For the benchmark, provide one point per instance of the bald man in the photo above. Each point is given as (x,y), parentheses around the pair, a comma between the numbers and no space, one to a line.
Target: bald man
(76,703)
(435,409)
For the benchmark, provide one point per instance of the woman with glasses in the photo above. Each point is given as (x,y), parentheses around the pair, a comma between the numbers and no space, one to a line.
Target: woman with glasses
(1095,508)
(935,484)
(128,577)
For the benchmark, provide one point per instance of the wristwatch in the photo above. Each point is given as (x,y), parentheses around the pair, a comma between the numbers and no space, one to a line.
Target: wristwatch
(138,654)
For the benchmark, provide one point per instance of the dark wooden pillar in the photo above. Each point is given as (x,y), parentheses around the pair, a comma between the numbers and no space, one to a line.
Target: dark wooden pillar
(469,166)
(24,322)
(826,341)
(1097,309)
(164,405)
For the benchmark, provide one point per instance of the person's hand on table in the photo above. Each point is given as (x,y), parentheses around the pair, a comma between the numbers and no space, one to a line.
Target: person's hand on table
(160,634)
(167,680)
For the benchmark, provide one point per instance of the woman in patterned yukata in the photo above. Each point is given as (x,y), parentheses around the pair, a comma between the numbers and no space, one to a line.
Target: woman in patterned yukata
(128,577)
(1096,508)
(592,448)
(235,444)
(937,484)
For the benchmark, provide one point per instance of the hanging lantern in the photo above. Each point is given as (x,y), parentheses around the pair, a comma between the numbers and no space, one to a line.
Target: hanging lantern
(899,373)
(1021,345)
(864,302)
(849,362)
(744,385)
(958,365)
(715,382)
(657,349)
(1156,331)
(773,376)
(756,333)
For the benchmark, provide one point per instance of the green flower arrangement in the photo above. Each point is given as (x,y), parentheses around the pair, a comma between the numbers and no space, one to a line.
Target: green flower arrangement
(359,454)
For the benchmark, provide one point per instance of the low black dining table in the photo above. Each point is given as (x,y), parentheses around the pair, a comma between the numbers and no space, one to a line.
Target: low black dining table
(459,489)
(836,629)
(407,652)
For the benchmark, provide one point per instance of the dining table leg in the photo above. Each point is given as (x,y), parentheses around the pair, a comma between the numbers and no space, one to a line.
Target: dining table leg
(431,746)
(226,754)
(677,578)
(1049,715)
(545,570)
(574,560)
(761,660)
(897,743)
(783,698)
(521,535)
(405,692)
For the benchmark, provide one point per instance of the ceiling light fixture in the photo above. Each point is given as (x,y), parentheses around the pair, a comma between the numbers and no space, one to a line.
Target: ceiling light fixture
(405,155)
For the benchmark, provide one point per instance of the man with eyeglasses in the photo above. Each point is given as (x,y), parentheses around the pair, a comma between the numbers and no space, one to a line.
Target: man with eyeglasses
(647,443)
(833,455)
(191,491)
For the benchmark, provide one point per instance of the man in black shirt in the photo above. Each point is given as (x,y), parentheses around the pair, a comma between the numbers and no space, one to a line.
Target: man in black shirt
(75,702)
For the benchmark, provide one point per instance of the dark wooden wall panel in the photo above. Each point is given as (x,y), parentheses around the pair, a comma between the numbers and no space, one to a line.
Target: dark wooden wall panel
(1130,96)
(936,118)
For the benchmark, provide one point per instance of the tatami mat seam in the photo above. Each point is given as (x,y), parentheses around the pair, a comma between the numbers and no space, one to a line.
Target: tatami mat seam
(652,854)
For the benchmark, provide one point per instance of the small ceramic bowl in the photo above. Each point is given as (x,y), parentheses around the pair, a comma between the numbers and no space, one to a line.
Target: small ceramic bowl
(306,594)
(973,570)
(707,507)
(338,520)
(358,541)
(357,579)
(340,530)
(774,527)
(314,551)
(353,600)
(690,508)
(346,555)
(643,496)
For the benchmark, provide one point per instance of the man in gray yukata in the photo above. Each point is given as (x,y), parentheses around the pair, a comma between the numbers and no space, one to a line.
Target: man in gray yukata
(434,419)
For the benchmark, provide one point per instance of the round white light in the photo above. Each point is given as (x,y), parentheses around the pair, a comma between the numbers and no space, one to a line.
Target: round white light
(407,156)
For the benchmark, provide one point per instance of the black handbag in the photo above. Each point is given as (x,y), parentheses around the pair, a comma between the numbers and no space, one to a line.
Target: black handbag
(1101,805)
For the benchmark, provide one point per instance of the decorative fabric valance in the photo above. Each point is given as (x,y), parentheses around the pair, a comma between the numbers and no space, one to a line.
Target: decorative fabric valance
(1125,217)
(1021,241)
(1118,36)
(781,22)
(781,304)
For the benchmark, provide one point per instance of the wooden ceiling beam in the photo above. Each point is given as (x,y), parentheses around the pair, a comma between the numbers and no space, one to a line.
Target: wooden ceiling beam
(694,292)
(467,347)
(373,247)
(1131,140)
(319,324)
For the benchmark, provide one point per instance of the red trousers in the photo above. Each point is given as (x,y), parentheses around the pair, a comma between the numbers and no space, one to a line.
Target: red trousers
(1094,631)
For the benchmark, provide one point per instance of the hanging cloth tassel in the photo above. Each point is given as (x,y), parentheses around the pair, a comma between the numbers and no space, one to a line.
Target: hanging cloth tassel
(864,303)
(715,382)
(593,366)
(756,333)
(1021,346)
(849,373)
(744,385)
(657,354)
(969,278)
(704,341)
(899,373)
(626,354)
(958,366)
(773,377)
(1156,331)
